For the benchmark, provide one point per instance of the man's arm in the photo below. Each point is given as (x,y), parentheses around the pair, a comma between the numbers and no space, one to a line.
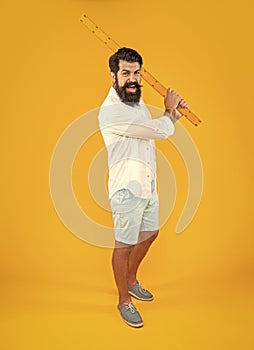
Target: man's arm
(154,129)
(172,101)
(170,113)
(119,122)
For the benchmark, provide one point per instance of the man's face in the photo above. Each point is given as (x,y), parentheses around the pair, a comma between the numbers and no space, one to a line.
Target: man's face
(127,81)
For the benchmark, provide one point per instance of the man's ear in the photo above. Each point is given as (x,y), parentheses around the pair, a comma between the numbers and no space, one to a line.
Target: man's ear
(113,77)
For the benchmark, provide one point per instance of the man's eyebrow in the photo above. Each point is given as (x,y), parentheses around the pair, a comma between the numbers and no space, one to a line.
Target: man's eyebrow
(128,71)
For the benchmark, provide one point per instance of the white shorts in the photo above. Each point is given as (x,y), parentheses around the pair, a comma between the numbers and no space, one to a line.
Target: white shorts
(132,215)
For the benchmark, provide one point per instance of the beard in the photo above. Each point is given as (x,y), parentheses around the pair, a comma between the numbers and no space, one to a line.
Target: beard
(130,98)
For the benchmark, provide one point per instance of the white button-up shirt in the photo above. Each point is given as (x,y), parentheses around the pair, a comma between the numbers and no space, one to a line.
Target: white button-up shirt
(129,133)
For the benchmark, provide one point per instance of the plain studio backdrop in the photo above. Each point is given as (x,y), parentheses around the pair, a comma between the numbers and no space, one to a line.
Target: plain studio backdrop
(57,291)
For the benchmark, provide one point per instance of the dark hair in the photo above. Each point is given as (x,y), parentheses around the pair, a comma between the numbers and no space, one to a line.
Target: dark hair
(125,54)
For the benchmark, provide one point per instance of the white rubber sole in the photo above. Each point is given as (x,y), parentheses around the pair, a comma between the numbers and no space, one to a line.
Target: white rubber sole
(137,297)
(135,325)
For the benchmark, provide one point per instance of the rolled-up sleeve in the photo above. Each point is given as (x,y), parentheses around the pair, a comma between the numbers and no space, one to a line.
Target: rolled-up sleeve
(133,125)
(154,129)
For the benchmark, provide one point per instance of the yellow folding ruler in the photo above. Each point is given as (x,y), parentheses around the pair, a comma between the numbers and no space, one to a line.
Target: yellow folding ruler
(154,83)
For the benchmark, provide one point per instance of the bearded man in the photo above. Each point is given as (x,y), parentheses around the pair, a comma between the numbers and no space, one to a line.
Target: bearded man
(129,132)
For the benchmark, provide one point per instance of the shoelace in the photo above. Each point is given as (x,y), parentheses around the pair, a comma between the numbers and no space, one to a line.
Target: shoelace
(131,307)
(141,289)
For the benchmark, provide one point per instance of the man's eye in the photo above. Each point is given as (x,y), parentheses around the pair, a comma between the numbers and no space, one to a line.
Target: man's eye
(125,74)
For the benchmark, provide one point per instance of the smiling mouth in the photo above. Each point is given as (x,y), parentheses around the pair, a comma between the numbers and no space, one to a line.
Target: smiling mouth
(131,89)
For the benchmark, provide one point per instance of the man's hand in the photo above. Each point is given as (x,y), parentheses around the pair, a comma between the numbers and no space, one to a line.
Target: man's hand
(172,101)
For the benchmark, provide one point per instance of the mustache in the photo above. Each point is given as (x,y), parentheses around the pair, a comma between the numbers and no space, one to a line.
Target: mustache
(132,85)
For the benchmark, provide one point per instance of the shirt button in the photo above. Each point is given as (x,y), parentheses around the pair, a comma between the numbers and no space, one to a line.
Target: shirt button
(147,176)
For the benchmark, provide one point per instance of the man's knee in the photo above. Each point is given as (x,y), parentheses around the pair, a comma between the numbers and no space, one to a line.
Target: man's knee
(155,235)
(149,236)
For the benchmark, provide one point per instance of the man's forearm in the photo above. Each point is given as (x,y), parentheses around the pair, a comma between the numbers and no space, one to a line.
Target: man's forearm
(153,129)
(170,113)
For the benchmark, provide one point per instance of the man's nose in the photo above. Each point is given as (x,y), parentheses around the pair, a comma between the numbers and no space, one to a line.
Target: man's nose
(132,78)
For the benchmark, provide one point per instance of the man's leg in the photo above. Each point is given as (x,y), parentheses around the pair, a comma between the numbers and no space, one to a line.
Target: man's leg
(120,263)
(138,253)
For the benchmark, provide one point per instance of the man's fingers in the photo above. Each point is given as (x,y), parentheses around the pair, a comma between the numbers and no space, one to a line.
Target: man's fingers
(183,104)
(172,92)
(175,100)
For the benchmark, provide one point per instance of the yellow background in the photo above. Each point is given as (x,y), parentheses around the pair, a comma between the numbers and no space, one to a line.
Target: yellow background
(57,292)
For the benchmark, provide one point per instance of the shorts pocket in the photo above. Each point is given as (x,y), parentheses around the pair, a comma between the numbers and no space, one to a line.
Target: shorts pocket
(120,199)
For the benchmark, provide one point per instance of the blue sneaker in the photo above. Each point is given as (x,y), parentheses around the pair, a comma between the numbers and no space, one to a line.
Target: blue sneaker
(130,315)
(137,291)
